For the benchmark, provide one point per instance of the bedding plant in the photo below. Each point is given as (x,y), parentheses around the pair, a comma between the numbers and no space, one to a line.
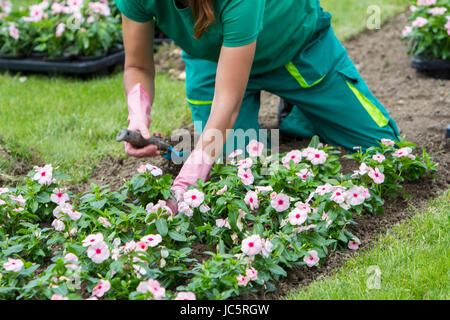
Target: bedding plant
(257,217)
(58,29)
(428,33)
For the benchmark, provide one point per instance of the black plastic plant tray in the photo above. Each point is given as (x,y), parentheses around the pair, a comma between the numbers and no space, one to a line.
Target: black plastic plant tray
(76,67)
(439,69)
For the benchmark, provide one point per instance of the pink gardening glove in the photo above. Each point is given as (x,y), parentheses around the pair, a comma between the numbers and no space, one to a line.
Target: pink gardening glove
(139,107)
(197,165)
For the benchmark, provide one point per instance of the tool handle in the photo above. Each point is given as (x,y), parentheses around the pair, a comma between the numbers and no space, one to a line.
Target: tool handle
(136,139)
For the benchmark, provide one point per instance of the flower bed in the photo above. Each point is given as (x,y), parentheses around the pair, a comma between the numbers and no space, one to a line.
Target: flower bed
(258,217)
(429,31)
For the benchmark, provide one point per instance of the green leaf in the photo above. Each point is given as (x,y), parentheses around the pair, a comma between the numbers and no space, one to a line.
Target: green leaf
(177,236)
(162,227)
(13,249)
(276,269)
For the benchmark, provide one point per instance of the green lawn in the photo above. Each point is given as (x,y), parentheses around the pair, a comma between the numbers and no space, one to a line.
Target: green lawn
(412,259)
(72,123)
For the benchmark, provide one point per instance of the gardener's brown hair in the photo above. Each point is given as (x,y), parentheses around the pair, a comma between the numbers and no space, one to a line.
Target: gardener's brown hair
(203,11)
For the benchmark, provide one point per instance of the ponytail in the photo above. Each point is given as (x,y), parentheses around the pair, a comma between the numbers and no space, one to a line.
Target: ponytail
(203,11)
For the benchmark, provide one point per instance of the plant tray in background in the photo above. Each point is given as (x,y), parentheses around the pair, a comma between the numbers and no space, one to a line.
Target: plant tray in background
(438,69)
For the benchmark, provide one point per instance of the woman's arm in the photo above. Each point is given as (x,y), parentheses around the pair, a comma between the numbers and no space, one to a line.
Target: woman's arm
(139,68)
(232,76)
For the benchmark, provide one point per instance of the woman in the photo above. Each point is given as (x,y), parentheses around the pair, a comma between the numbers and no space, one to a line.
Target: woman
(233,49)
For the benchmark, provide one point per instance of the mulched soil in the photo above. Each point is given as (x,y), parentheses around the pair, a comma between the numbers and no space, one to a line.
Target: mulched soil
(420,106)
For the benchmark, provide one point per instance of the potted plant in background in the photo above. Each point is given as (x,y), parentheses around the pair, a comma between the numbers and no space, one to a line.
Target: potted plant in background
(428,37)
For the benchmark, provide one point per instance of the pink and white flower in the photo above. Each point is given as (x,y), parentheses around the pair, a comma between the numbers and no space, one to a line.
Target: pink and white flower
(251,274)
(4,190)
(263,188)
(58,225)
(44,175)
(185,296)
(20,199)
(153,287)
(255,148)
(161,204)
(36,14)
(6,6)
(426,2)
(100,8)
(242,280)
(281,202)
(252,245)
(437,11)
(316,156)
(388,142)
(419,22)
(251,199)
(14,265)
(235,153)
(70,257)
(312,258)
(246,176)
(98,252)
(354,244)
(338,196)
(376,175)
(245,163)
(101,288)
(59,196)
(184,208)
(294,155)
(58,297)
(297,216)
(92,239)
(194,198)
(60,28)
(363,169)
(204,208)
(402,152)
(379,157)
(222,191)
(152,239)
(355,196)
(326,188)
(266,247)
(305,173)
(223,223)
(141,246)
(104,222)
(13,31)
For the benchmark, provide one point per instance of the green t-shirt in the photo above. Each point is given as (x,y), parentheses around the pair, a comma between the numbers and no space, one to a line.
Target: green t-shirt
(281,27)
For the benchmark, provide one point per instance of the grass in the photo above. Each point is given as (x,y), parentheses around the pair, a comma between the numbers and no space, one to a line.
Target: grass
(412,258)
(72,123)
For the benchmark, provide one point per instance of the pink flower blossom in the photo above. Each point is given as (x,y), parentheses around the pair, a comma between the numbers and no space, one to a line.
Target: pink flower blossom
(153,287)
(222,191)
(194,198)
(376,175)
(245,163)
(60,28)
(73,214)
(246,176)
(402,152)
(338,196)
(251,199)
(161,204)
(59,196)
(58,225)
(6,6)
(363,169)
(242,280)
(98,252)
(388,142)
(57,8)
(426,2)
(419,22)
(266,247)
(437,11)
(70,257)
(294,155)
(235,153)
(326,188)
(406,31)
(4,190)
(20,199)
(100,8)
(379,157)
(317,156)
(204,208)
(104,222)
(252,245)
(354,244)
(412,8)
(303,206)
(223,223)
(184,208)
(101,288)
(280,203)
(2,202)
(92,239)
(44,175)
(263,188)
(13,31)
(255,148)
(141,246)
(36,14)
(152,239)
(354,196)
(312,258)
(185,296)
(58,297)
(19,209)
(297,216)
(251,274)
(305,173)
(14,265)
